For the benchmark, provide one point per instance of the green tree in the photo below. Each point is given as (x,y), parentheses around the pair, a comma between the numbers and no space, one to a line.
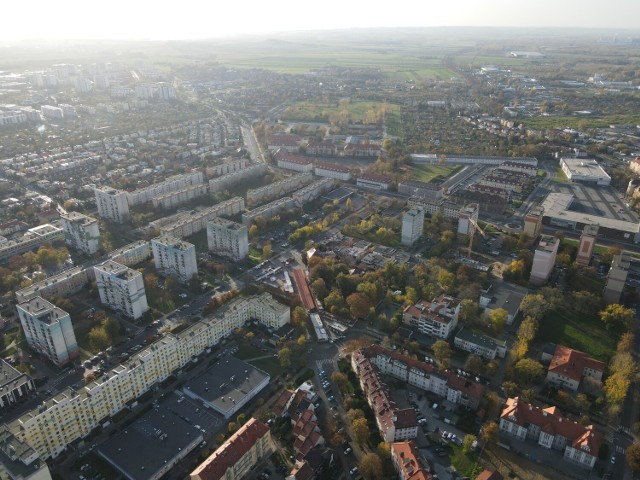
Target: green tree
(498,318)
(468,311)
(633,457)
(617,318)
(529,371)
(266,250)
(474,364)
(232,427)
(490,433)
(299,317)
(284,355)
(99,339)
(534,306)
(112,327)
(467,443)
(241,419)
(358,305)
(340,379)
(354,414)
(441,351)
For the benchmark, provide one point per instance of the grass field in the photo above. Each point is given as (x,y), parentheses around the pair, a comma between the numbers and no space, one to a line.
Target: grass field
(269,365)
(426,173)
(248,351)
(356,111)
(576,330)
(580,122)
(465,464)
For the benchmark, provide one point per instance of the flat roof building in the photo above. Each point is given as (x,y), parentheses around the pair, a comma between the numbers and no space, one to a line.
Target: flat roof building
(81,232)
(15,386)
(228,239)
(175,257)
(227,386)
(587,243)
(48,330)
(112,204)
(544,259)
(121,288)
(412,226)
(584,170)
(616,278)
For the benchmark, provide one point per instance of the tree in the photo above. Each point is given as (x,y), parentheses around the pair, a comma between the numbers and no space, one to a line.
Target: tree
(626,343)
(474,364)
(633,457)
(284,355)
(510,389)
(446,279)
(360,430)
(99,339)
(529,371)
(617,318)
(299,317)
(302,340)
(467,443)
(534,306)
(266,250)
(358,305)
(319,287)
(371,467)
(232,427)
(468,311)
(353,414)
(490,432)
(340,379)
(112,327)
(498,317)
(442,351)
(242,418)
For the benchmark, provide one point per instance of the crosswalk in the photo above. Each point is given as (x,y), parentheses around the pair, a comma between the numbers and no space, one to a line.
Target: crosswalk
(324,361)
(620,449)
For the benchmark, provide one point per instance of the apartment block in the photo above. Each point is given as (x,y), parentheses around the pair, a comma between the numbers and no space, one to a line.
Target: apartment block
(312,191)
(19,461)
(81,232)
(533,222)
(616,278)
(228,239)
(31,240)
(480,344)
(171,184)
(544,259)
(220,184)
(83,409)
(132,253)
(15,386)
(187,223)
(408,461)
(121,288)
(569,367)
(291,161)
(468,219)
(175,257)
(234,459)
(427,191)
(437,318)
(412,226)
(268,210)
(549,429)
(112,204)
(332,170)
(48,330)
(373,181)
(226,167)
(588,240)
(61,285)
(179,197)
(278,189)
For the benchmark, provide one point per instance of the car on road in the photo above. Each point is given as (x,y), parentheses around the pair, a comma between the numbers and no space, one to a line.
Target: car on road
(353,471)
(613,459)
(347,450)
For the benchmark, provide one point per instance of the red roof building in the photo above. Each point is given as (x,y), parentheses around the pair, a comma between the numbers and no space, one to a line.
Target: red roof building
(408,462)
(568,367)
(239,454)
(489,473)
(550,429)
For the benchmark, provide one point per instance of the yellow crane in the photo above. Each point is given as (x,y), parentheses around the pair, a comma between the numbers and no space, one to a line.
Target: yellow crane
(472,232)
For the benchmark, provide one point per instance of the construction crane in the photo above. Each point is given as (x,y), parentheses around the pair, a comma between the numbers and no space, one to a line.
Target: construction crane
(472,232)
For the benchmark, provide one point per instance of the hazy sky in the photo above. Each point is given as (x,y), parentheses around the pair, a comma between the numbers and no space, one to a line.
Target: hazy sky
(160,19)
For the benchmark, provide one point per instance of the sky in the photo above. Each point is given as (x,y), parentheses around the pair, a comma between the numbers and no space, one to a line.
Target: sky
(195,19)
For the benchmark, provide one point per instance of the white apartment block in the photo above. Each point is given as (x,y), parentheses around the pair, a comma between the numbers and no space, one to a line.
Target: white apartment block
(48,330)
(188,223)
(226,167)
(312,191)
(412,226)
(220,184)
(291,161)
(228,239)
(179,197)
(112,204)
(437,318)
(175,257)
(544,259)
(81,232)
(331,170)
(172,184)
(61,285)
(468,219)
(121,288)
(132,253)
(51,112)
(278,189)
(32,239)
(269,210)
(82,410)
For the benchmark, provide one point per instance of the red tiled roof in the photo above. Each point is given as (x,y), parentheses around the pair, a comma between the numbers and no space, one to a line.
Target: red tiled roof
(279,405)
(332,167)
(551,421)
(406,418)
(225,457)
(407,457)
(292,157)
(285,140)
(303,472)
(571,363)
(374,177)
(489,473)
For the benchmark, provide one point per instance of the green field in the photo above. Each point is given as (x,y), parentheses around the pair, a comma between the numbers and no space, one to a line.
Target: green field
(576,330)
(426,173)
(270,365)
(580,121)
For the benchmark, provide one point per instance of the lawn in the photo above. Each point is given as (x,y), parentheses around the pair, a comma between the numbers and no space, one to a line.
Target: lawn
(560,176)
(364,112)
(270,365)
(466,465)
(582,122)
(576,330)
(426,173)
(248,351)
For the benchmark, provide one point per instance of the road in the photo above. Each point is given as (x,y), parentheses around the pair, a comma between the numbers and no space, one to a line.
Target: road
(251,142)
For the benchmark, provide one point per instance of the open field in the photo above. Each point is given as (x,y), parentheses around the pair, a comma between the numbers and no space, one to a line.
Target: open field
(580,121)
(575,330)
(353,112)
(426,173)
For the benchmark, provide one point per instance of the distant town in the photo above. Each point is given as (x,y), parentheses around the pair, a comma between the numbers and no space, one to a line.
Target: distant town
(365,266)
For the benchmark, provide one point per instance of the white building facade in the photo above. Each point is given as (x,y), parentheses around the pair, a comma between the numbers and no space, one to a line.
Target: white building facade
(121,288)
(412,226)
(112,204)
(175,257)
(228,239)
(81,232)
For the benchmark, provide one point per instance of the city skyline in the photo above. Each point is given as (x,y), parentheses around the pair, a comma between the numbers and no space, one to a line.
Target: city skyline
(142,20)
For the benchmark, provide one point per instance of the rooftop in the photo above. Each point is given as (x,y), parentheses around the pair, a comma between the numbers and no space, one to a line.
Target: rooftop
(478,338)
(173,242)
(46,311)
(585,167)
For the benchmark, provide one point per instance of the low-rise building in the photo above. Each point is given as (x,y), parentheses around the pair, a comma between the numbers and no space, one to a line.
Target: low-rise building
(428,191)
(584,170)
(569,367)
(18,461)
(373,181)
(62,285)
(238,455)
(437,318)
(48,330)
(505,295)
(332,170)
(291,161)
(286,142)
(408,461)
(33,238)
(549,429)
(480,344)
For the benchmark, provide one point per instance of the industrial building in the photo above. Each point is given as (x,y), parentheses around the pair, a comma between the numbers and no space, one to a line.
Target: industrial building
(584,170)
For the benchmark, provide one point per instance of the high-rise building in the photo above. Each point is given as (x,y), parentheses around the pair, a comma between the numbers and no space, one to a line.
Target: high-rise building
(175,257)
(227,238)
(533,222)
(112,204)
(616,278)
(81,232)
(544,259)
(587,242)
(48,330)
(412,226)
(121,288)
(468,219)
